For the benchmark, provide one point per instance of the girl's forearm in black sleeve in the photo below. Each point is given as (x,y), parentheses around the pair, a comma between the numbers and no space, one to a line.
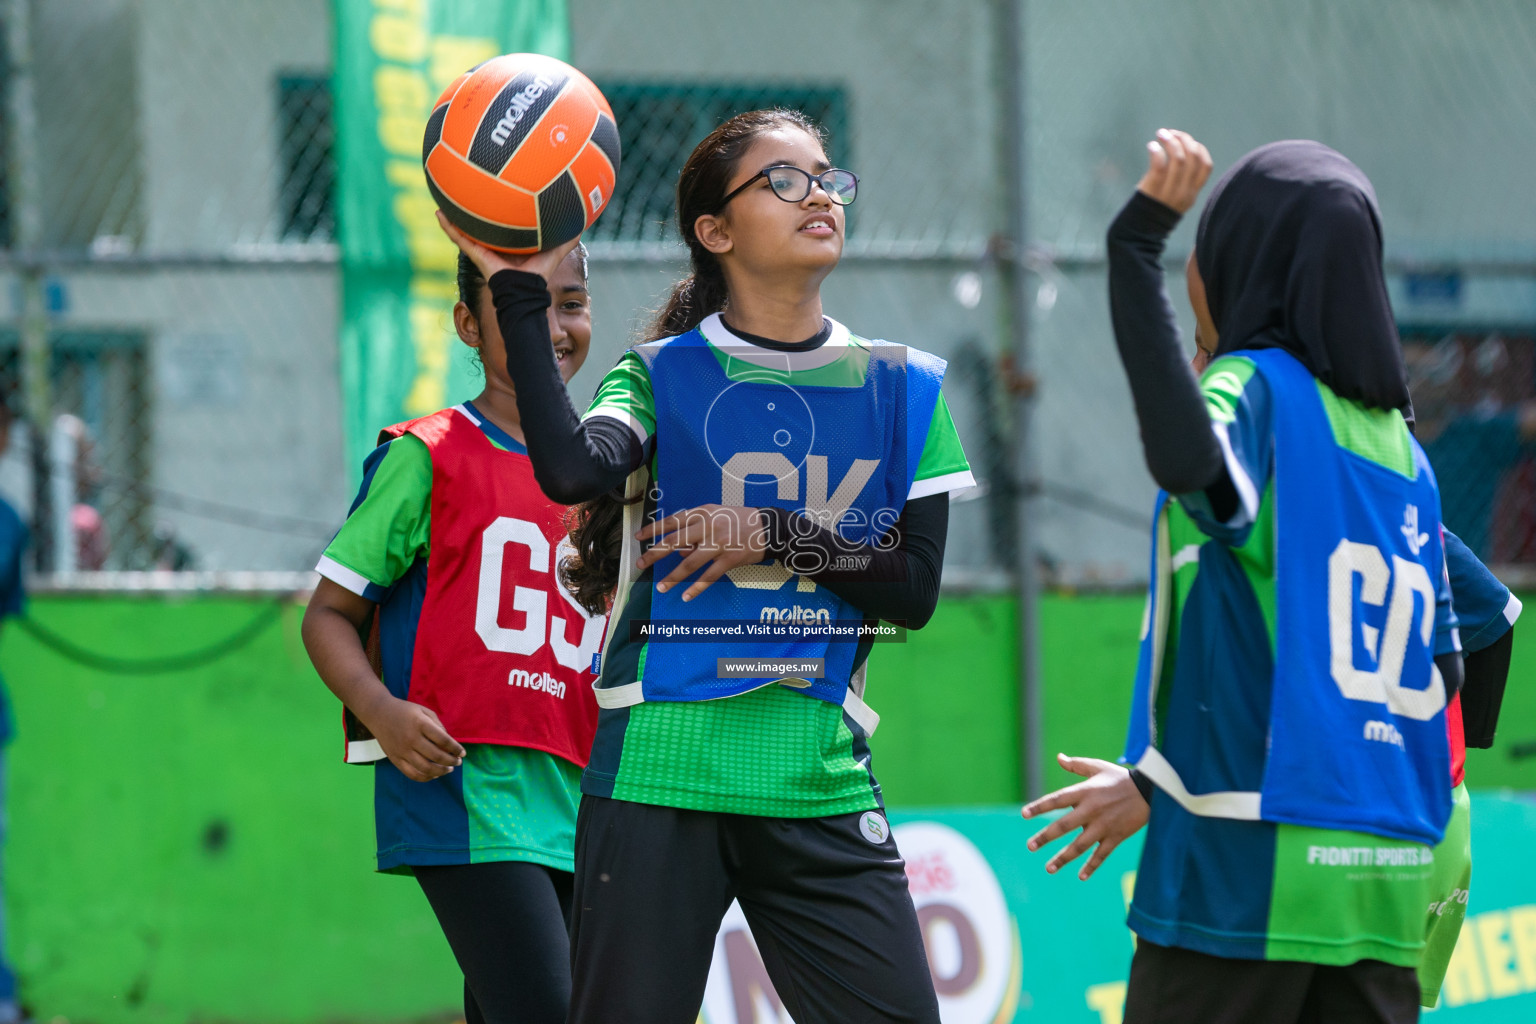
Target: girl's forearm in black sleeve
(1182,453)
(1485,673)
(899,582)
(573,460)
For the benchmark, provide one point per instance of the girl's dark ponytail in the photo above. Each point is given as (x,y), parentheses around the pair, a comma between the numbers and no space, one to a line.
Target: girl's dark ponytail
(591,574)
(695,297)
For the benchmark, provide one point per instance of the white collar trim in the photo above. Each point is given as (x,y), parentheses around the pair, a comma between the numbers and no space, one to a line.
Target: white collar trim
(739,349)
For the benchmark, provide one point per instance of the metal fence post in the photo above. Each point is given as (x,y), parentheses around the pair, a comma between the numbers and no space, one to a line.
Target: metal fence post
(26,240)
(1026,489)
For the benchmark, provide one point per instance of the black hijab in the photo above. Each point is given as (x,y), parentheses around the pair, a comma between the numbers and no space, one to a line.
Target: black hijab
(1289,247)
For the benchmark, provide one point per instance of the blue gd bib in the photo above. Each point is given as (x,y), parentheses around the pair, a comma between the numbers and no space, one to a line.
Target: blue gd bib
(1357,736)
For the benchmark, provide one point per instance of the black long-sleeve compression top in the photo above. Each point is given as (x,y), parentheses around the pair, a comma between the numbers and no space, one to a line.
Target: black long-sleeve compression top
(1181,451)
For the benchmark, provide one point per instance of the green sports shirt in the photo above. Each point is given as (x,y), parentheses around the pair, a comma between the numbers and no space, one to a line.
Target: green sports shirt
(503,803)
(770,752)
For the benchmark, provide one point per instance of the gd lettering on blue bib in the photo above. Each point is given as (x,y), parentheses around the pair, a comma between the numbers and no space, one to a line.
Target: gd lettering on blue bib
(844,457)
(1357,737)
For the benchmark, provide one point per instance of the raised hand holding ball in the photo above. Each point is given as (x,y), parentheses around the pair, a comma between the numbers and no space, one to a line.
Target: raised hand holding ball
(488,260)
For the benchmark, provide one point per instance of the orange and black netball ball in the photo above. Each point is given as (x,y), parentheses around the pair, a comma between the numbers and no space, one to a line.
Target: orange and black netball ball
(521,152)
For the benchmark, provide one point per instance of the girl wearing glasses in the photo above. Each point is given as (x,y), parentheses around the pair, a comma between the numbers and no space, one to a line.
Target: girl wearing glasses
(776,468)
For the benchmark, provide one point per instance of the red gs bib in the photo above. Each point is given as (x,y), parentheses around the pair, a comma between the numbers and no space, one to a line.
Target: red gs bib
(503,654)
(1458,737)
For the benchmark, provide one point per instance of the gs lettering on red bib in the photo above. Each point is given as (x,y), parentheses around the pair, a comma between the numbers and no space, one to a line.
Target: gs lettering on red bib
(503,654)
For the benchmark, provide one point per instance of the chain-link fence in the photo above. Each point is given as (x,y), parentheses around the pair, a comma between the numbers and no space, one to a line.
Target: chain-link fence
(170,349)
(1474,399)
(1425,97)
(1436,102)
(169,357)
(906,91)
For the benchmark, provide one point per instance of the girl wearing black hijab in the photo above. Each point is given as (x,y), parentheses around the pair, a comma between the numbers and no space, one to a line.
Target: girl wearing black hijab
(1299,646)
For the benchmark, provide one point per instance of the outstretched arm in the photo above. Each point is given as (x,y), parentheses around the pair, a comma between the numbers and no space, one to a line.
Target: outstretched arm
(895,579)
(573,459)
(1182,454)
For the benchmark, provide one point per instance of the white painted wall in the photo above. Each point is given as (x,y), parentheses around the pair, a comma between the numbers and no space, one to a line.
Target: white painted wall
(90,173)
(245,407)
(208,115)
(915,72)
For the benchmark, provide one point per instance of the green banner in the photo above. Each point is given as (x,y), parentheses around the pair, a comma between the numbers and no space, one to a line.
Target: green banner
(399,354)
(1009,943)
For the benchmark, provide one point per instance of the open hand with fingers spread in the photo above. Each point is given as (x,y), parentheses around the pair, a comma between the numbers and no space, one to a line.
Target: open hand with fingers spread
(1177,168)
(1107,807)
(719,536)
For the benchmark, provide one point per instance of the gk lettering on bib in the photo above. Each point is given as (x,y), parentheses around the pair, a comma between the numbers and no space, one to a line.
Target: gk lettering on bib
(842,457)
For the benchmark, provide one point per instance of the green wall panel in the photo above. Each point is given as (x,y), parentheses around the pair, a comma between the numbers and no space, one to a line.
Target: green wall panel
(949,707)
(1088,654)
(187,846)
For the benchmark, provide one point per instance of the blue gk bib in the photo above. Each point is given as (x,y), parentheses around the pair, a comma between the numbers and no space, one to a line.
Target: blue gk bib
(844,457)
(1357,737)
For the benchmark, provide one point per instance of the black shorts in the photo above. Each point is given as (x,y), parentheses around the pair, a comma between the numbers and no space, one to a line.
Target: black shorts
(827,903)
(1178,986)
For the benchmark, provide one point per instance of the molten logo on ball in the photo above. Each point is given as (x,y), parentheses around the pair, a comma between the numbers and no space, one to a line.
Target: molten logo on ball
(520,152)
(520,104)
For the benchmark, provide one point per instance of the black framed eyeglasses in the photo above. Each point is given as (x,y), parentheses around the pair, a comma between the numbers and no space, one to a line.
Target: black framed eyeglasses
(792,185)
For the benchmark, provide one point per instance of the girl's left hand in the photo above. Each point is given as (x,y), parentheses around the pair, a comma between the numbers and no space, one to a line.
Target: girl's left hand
(1107,807)
(720,536)
(488,260)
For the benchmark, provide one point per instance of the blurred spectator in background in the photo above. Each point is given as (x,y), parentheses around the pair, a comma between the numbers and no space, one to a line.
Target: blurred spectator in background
(13,541)
(171,552)
(92,543)
(1476,418)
